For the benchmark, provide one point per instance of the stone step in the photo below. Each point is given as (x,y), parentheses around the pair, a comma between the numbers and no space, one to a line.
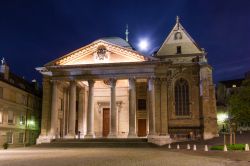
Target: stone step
(103,140)
(96,145)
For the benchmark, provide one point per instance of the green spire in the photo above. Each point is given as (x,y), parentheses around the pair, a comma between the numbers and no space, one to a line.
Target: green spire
(126,33)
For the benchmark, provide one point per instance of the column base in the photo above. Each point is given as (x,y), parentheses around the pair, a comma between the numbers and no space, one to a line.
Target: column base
(89,136)
(112,135)
(209,135)
(132,135)
(44,139)
(159,140)
(81,135)
(70,136)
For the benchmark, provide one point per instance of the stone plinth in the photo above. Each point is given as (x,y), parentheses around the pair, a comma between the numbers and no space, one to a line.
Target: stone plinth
(159,140)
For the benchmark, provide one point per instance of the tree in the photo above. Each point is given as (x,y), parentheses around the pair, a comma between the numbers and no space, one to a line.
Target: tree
(239,104)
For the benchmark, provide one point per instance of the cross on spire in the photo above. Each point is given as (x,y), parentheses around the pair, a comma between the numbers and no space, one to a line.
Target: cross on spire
(177,21)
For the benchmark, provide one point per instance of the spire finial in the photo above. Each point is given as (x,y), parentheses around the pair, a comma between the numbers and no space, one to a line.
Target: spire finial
(3,62)
(177,19)
(126,32)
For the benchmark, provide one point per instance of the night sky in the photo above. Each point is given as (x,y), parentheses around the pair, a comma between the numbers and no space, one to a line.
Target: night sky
(34,32)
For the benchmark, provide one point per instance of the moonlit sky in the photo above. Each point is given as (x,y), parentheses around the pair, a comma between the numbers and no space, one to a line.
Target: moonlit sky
(34,32)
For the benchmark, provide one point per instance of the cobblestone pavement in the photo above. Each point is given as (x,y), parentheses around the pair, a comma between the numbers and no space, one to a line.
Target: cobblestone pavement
(109,156)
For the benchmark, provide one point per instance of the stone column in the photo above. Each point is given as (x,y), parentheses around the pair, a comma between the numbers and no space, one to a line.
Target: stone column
(164,110)
(72,110)
(113,110)
(81,111)
(65,111)
(158,112)
(46,106)
(90,111)
(54,111)
(151,91)
(132,108)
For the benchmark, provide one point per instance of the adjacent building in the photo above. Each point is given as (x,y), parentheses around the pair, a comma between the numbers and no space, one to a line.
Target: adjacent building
(107,89)
(224,90)
(20,108)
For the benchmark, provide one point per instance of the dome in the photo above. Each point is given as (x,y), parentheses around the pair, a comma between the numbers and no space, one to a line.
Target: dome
(117,41)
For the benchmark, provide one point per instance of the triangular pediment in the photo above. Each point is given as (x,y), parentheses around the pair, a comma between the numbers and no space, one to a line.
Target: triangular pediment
(179,37)
(99,51)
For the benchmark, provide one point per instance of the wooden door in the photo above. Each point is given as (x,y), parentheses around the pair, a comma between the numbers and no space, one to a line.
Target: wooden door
(142,124)
(106,123)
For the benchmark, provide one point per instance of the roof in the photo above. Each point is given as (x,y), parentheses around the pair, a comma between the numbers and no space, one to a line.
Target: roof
(119,44)
(117,41)
(21,83)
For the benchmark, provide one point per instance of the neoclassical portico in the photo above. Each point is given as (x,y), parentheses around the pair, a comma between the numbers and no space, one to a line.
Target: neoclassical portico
(107,89)
(128,79)
(113,104)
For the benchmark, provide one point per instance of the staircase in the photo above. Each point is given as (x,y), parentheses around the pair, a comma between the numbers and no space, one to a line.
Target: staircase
(98,143)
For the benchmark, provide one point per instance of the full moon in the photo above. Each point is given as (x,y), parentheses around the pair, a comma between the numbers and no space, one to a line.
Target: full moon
(143,45)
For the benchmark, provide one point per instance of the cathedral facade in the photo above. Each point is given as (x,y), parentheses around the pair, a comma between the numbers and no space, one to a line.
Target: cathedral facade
(108,89)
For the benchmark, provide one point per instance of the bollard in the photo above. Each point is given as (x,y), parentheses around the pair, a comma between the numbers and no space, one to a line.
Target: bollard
(246,147)
(194,148)
(206,148)
(225,148)
(188,146)
(169,146)
(178,146)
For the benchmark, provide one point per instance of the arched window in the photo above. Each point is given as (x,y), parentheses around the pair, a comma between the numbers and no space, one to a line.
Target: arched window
(181,98)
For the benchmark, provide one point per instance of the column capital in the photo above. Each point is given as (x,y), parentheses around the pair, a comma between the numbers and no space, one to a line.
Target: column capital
(91,83)
(158,80)
(132,78)
(112,82)
(54,81)
(72,82)
(81,90)
(164,80)
(132,82)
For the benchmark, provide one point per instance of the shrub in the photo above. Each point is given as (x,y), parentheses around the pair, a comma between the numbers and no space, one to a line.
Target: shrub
(5,145)
(229,147)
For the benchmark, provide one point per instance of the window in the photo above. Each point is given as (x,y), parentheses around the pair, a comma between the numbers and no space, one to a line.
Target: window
(10,117)
(22,119)
(181,98)
(32,121)
(178,50)
(9,137)
(177,36)
(21,138)
(1,117)
(141,104)
(24,99)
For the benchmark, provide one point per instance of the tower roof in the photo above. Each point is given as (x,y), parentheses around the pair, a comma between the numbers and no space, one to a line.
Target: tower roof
(178,37)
